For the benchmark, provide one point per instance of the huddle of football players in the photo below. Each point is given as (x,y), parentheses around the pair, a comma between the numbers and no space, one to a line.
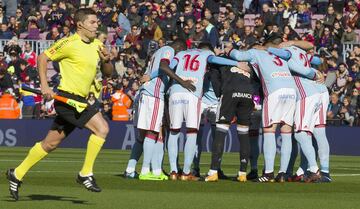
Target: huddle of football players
(271,85)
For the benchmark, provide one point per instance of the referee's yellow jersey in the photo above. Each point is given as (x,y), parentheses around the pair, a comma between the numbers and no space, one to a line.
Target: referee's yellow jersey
(78,63)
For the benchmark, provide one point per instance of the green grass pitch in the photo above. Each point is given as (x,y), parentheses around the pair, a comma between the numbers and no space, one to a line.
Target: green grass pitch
(51,184)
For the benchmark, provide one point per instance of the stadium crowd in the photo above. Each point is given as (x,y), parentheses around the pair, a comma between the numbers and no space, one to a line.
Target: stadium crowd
(133,29)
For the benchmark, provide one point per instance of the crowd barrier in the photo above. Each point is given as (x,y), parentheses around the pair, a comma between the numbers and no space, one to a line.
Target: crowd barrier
(122,135)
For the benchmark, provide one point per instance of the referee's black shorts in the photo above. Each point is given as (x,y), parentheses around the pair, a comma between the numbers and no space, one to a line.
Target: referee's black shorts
(68,118)
(238,105)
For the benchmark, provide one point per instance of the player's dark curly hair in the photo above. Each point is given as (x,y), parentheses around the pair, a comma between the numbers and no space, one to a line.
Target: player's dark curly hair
(205,45)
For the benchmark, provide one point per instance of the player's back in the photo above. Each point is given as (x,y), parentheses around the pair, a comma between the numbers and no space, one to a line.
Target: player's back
(209,96)
(273,71)
(299,61)
(305,87)
(155,87)
(191,66)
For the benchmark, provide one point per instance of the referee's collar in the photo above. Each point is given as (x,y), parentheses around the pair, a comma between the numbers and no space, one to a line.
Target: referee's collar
(79,37)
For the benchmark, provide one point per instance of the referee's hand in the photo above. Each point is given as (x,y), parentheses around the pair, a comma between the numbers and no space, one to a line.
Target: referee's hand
(47,93)
(104,54)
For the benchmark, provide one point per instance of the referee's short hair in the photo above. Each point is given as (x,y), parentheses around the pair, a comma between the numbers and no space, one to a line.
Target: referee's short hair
(81,14)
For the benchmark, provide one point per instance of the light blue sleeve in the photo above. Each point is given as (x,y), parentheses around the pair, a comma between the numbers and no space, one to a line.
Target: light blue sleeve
(314,60)
(244,56)
(172,65)
(221,61)
(282,53)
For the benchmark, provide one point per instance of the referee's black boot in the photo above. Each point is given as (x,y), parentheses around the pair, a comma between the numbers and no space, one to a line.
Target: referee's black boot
(89,183)
(14,184)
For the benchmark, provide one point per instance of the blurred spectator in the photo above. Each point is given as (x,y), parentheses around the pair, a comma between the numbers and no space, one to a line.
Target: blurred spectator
(40,21)
(107,91)
(333,110)
(9,108)
(353,17)
(199,34)
(349,35)
(290,34)
(133,16)
(211,35)
(330,72)
(11,7)
(342,75)
(54,34)
(322,6)
(55,16)
(5,32)
(66,32)
(28,107)
(330,16)
(303,16)
(106,111)
(121,105)
(3,19)
(134,36)
(92,100)
(347,112)
(267,16)
(29,55)
(3,63)
(33,29)
(5,80)
(279,16)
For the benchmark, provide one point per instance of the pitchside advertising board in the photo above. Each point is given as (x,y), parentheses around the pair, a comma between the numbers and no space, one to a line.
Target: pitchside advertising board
(25,133)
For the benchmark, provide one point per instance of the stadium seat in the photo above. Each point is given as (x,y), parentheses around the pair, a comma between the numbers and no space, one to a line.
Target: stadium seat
(300,31)
(43,35)
(315,17)
(23,35)
(358,35)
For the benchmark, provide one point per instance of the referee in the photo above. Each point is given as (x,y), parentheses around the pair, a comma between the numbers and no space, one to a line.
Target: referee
(79,57)
(234,84)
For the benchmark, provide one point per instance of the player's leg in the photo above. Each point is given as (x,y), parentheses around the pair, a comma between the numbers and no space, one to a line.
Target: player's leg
(176,119)
(286,147)
(304,139)
(217,151)
(269,146)
(324,152)
(59,130)
(254,143)
(294,153)
(135,155)
(158,153)
(192,120)
(244,109)
(137,148)
(321,139)
(196,162)
(225,114)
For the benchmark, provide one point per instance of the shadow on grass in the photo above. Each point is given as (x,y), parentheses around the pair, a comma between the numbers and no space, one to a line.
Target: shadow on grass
(39,197)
